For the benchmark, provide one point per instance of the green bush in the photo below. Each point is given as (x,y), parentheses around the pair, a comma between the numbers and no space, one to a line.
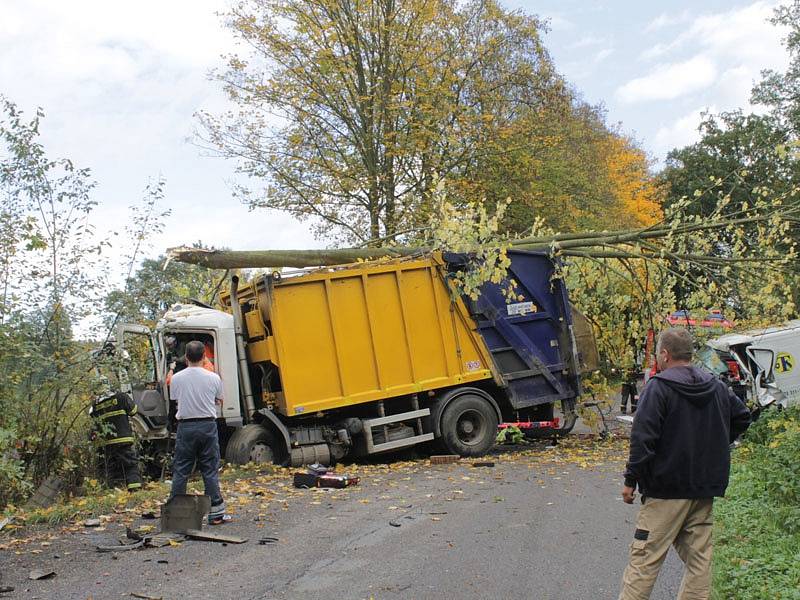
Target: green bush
(13,483)
(757,531)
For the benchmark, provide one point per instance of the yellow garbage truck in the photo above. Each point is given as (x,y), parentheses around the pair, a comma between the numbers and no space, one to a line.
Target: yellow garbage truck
(369,358)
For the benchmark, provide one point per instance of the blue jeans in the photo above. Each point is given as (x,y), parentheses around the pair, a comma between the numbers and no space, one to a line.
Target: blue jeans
(198,441)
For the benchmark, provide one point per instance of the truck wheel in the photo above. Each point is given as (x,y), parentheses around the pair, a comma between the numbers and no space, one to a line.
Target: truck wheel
(469,426)
(251,443)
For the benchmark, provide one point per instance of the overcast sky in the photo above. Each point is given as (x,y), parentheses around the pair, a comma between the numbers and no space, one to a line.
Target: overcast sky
(120,83)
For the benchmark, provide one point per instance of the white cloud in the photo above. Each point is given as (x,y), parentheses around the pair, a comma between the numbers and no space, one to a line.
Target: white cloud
(670,81)
(665,20)
(586,41)
(602,55)
(120,83)
(659,49)
(558,22)
(727,49)
(681,132)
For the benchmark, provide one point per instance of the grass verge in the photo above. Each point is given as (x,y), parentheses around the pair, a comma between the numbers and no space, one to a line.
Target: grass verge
(757,524)
(99,500)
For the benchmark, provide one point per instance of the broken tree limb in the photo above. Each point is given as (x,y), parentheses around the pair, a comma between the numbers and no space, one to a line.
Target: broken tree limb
(248,259)
(595,244)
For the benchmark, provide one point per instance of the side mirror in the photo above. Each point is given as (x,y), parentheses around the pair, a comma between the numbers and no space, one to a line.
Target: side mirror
(764,358)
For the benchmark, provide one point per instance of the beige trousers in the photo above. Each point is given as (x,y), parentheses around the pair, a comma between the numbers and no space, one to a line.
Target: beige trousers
(687,525)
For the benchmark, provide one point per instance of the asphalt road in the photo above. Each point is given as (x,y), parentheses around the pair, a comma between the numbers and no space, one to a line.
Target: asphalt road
(542,523)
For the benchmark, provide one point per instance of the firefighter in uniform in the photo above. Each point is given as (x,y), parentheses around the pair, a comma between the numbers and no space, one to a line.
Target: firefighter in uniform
(114,437)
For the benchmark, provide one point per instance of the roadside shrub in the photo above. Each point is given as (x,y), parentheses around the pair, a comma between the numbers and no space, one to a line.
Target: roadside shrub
(757,530)
(773,464)
(13,483)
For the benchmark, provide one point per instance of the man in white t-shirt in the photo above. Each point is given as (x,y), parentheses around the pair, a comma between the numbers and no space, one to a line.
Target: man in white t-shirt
(197,392)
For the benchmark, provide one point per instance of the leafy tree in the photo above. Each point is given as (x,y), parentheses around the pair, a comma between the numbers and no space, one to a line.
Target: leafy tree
(52,283)
(350,112)
(738,154)
(49,276)
(551,163)
(639,196)
(781,91)
(153,288)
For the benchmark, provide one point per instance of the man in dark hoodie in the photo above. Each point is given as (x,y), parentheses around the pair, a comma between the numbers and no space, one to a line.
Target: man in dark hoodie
(680,460)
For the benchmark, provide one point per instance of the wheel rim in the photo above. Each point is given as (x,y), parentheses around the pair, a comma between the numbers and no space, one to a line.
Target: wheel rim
(471,427)
(261,453)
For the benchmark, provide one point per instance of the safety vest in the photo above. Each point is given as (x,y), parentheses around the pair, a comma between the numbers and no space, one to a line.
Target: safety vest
(111,416)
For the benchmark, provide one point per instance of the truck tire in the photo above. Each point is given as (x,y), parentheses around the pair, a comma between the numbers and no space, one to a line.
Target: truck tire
(469,425)
(251,443)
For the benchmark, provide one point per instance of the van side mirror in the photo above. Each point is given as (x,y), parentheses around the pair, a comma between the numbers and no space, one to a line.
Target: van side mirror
(764,358)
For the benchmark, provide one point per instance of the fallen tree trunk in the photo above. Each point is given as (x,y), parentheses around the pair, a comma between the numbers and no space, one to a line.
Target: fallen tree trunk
(251,259)
(634,243)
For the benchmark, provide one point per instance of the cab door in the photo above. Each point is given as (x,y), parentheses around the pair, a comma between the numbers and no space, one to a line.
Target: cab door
(141,373)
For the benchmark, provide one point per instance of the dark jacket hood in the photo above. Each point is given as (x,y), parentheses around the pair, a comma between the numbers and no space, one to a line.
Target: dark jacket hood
(691,383)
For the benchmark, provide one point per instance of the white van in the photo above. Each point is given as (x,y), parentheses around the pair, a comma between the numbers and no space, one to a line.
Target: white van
(760,356)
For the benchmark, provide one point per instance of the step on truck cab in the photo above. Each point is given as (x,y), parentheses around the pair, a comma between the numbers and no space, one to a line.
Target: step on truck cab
(374,357)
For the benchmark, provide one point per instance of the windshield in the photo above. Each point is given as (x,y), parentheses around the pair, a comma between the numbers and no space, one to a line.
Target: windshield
(709,359)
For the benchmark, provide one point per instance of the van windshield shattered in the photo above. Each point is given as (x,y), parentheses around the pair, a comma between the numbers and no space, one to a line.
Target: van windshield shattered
(707,358)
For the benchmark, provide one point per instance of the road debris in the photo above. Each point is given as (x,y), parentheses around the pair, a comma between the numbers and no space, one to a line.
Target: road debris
(196,534)
(92,523)
(121,547)
(5,589)
(329,480)
(444,459)
(47,493)
(394,523)
(267,540)
(146,596)
(37,574)
(183,512)
(3,522)
(483,463)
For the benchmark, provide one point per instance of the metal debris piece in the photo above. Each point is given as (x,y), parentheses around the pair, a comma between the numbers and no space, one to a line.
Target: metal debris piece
(184,512)
(46,494)
(146,596)
(444,459)
(394,523)
(92,523)
(196,534)
(121,547)
(267,540)
(164,539)
(41,574)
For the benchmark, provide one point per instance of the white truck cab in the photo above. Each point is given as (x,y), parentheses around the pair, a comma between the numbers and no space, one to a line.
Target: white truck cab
(148,358)
(188,322)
